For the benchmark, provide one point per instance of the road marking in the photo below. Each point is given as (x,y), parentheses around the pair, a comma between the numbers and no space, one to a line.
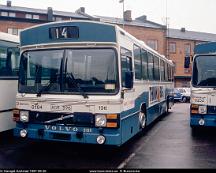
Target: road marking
(124,163)
(132,155)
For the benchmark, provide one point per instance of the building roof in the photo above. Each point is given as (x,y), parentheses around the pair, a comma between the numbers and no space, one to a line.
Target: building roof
(191,35)
(42,11)
(9,37)
(136,22)
(140,21)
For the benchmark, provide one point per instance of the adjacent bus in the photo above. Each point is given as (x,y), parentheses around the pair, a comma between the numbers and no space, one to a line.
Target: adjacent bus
(89,82)
(9,66)
(203,86)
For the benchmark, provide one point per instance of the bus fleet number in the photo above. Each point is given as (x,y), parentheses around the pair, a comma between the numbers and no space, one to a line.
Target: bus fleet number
(102,108)
(36,106)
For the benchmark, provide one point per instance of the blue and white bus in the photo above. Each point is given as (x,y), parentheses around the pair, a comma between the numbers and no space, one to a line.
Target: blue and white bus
(9,67)
(203,86)
(89,82)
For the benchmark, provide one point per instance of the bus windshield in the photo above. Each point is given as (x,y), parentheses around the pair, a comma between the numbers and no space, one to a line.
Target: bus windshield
(68,71)
(204,71)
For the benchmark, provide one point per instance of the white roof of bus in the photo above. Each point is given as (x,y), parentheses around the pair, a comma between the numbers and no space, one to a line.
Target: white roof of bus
(9,37)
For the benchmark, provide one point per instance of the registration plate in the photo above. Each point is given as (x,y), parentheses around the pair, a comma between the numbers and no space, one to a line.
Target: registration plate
(55,107)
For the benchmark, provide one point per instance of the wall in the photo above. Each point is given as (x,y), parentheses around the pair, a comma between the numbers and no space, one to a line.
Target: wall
(145,34)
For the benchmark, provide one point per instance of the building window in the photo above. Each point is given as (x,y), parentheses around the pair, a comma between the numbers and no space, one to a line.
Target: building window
(187,49)
(4,13)
(28,16)
(58,19)
(14,31)
(172,47)
(35,16)
(12,14)
(153,44)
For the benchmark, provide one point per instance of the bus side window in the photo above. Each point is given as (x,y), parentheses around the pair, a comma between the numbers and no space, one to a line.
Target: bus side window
(150,66)
(144,65)
(170,78)
(137,62)
(162,69)
(126,63)
(156,68)
(166,72)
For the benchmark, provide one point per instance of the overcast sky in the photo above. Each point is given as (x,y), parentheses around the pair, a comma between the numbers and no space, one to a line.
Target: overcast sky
(195,15)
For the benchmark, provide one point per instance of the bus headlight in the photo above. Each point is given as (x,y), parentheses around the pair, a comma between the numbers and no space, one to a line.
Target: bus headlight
(100,120)
(24,116)
(202,109)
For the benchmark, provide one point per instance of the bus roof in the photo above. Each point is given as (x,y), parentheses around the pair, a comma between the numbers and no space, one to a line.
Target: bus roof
(205,48)
(84,31)
(9,37)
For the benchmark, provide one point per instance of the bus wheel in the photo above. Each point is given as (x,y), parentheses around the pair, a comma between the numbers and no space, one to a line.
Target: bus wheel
(184,99)
(142,119)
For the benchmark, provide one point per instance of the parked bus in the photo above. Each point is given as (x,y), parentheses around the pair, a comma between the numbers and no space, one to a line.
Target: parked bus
(203,86)
(9,66)
(89,82)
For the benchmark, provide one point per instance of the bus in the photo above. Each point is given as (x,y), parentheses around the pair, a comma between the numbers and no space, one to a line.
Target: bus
(89,82)
(9,66)
(203,86)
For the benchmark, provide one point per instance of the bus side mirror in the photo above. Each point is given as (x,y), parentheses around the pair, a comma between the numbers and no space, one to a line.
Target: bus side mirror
(129,80)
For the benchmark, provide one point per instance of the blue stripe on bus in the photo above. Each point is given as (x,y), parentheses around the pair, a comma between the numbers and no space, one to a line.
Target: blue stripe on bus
(88,32)
(113,136)
(130,118)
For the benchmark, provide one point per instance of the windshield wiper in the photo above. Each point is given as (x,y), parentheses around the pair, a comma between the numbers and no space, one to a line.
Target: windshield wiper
(82,92)
(44,88)
(77,85)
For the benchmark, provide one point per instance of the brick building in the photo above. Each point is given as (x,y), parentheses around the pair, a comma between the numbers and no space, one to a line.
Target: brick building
(181,46)
(175,44)
(153,34)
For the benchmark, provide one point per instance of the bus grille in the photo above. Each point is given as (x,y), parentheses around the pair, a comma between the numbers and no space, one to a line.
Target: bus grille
(77,118)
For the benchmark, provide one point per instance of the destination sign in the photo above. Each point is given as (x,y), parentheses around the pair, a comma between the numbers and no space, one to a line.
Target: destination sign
(64,32)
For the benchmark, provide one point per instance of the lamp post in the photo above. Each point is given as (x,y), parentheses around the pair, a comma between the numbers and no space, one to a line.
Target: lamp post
(122,1)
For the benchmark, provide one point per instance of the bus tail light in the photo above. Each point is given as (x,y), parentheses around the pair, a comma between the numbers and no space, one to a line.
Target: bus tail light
(198,109)
(194,109)
(16,115)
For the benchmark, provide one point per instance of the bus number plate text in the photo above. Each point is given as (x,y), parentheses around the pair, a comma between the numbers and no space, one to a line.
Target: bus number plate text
(36,106)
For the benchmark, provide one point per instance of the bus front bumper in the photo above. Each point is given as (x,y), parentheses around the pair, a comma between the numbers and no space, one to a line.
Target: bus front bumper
(70,134)
(203,120)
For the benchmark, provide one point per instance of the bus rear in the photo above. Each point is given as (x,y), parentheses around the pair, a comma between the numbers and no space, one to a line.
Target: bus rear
(203,88)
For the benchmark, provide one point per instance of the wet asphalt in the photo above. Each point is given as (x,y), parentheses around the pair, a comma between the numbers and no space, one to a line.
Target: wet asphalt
(167,143)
